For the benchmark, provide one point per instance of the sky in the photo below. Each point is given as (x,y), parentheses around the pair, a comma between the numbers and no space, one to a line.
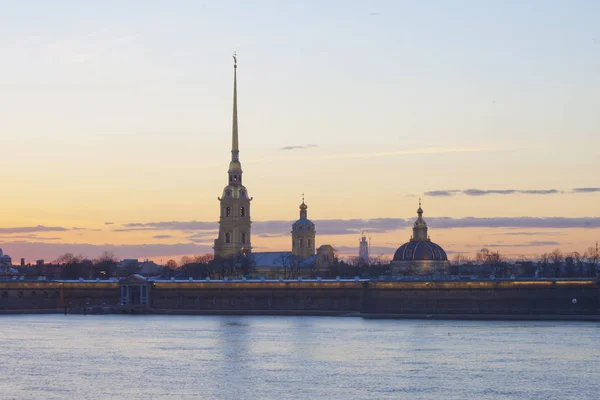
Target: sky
(115,124)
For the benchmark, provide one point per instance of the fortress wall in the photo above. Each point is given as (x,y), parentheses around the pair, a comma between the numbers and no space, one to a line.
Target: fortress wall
(52,295)
(518,297)
(477,297)
(254,296)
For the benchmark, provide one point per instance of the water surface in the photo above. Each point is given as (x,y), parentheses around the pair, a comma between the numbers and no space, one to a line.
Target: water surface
(206,357)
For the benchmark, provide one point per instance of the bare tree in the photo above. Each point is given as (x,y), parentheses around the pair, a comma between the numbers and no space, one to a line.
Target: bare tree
(592,256)
(544,263)
(105,266)
(290,265)
(557,258)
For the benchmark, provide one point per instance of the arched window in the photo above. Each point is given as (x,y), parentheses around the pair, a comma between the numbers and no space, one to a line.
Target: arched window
(243,235)
(228,211)
(308,243)
(242,212)
(228,193)
(299,227)
(243,194)
(300,243)
(227,237)
(293,243)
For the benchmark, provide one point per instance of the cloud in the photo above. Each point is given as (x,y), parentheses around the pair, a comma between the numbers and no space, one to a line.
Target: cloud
(298,147)
(534,233)
(478,192)
(485,192)
(50,251)
(170,226)
(109,223)
(28,237)
(33,229)
(586,190)
(267,229)
(441,193)
(162,237)
(514,222)
(527,244)
(373,250)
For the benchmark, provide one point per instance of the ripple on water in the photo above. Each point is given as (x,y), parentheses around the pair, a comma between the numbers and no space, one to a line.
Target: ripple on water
(188,357)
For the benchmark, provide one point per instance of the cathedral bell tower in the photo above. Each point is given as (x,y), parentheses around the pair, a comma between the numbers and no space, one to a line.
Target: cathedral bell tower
(303,234)
(234,221)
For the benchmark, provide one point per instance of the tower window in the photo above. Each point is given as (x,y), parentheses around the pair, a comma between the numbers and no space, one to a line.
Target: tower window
(228,193)
(308,243)
(235,178)
(293,243)
(299,227)
(227,237)
(242,212)
(243,236)
(228,211)
(300,243)
(242,193)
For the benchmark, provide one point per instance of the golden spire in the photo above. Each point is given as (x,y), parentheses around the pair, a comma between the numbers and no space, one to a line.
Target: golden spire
(234,140)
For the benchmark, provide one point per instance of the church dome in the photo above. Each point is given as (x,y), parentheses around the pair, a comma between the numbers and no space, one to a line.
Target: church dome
(420,250)
(303,224)
(420,247)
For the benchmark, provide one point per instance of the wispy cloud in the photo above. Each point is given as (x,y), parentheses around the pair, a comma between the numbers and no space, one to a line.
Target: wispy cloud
(485,192)
(162,237)
(527,244)
(170,225)
(539,233)
(586,190)
(50,251)
(482,192)
(276,228)
(33,229)
(298,147)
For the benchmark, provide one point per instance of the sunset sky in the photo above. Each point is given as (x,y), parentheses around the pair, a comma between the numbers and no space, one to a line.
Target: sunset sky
(115,123)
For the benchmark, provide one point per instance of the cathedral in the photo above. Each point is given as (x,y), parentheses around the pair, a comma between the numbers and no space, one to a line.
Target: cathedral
(235,224)
(419,255)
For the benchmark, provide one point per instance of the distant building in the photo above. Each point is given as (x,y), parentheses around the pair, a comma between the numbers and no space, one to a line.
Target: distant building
(5,259)
(303,234)
(363,250)
(420,255)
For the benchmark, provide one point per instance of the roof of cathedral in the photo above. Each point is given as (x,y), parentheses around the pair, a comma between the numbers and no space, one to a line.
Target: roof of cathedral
(303,222)
(420,250)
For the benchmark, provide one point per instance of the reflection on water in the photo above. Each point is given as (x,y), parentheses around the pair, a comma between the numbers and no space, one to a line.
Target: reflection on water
(192,357)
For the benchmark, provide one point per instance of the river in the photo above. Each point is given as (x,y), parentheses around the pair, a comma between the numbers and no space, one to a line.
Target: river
(253,357)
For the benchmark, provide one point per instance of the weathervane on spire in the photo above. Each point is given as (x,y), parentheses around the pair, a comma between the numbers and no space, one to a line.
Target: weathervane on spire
(303,197)
(234,59)
(419,202)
